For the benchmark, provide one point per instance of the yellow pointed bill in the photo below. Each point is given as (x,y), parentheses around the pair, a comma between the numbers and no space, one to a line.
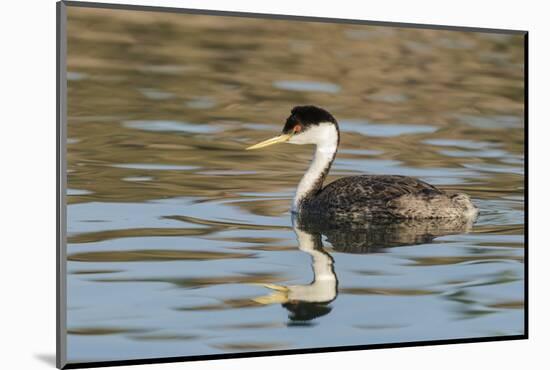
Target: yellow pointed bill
(274,140)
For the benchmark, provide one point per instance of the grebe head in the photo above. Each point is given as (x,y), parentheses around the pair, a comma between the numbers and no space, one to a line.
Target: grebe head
(307,125)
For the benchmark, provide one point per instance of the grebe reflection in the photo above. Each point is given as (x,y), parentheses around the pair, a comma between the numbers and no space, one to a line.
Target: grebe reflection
(310,301)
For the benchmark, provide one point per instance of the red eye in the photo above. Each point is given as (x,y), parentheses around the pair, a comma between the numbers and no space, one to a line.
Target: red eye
(297,128)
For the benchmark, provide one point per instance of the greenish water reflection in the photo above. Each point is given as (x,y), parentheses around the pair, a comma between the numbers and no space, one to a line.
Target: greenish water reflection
(181,243)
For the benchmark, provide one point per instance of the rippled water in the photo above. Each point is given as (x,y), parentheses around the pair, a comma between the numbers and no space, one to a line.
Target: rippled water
(181,243)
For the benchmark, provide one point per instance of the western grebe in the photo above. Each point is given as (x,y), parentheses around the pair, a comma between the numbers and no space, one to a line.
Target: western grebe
(358,197)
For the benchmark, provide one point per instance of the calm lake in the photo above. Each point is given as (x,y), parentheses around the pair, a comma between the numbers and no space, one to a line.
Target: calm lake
(181,243)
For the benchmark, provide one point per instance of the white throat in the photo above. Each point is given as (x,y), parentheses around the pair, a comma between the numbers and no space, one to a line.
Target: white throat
(325,136)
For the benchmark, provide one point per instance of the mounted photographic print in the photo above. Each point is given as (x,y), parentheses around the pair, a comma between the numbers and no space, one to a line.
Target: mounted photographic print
(234,184)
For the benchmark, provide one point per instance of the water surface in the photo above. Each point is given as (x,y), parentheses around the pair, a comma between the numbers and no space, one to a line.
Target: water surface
(181,243)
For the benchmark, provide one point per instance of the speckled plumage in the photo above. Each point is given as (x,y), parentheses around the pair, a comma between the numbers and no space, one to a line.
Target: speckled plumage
(386,197)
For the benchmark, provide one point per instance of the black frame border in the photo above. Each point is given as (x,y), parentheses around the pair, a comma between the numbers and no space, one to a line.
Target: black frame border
(61,109)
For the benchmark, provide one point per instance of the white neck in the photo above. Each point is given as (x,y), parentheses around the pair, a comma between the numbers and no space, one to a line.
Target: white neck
(326,138)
